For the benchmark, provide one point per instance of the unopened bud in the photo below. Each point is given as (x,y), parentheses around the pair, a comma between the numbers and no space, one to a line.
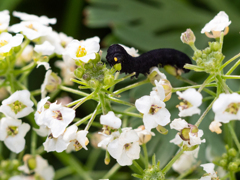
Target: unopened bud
(197,53)
(232,166)
(172,70)
(86,77)
(118,66)
(188,37)
(79,72)
(88,65)
(144,135)
(184,134)
(232,152)
(155,74)
(107,158)
(108,79)
(94,83)
(167,89)
(223,162)
(215,46)
(53,82)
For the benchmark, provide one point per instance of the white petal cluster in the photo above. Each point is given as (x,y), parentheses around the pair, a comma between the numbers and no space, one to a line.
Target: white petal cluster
(194,138)
(13,132)
(218,23)
(192,100)
(125,148)
(83,50)
(7,41)
(45,48)
(153,109)
(4,20)
(227,107)
(17,105)
(215,127)
(111,120)
(209,168)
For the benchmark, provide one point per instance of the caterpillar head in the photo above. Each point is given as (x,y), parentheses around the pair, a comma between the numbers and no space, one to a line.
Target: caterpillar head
(116,54)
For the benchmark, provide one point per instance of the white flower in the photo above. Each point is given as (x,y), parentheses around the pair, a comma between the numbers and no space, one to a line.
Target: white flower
(218,23)
(110,120)
(83,50)
(39,114)
(209,168)
(26,56)
(159,89)
(4,20)
(226,107)
(143,134)
(57,118)
(55,144)
(106,139)
(43,131)
(12,133)
(125,148)
(7,41)
(32,30)
(154,111)
(45,48)
(17,105)
(157,75)
(215,127)
(33,18)
(191,101)
(185,161)
(82,139)
(131,51)
(178,124)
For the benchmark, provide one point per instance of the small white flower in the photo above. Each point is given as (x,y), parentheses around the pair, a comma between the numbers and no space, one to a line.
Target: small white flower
(131,51)
(157,74)
(154,111)
(185,161)
(33,18)
(110,120)
(125,148)
(45,48)
(191,101)
(7,41)
(215,127)
(32,30)
(159,89)
(39,114)
(82,139)
(43,131)
(57,118)
(12,133)
(227,107)
(17,105)
(209,168)
(4,20)
(106,139)
(83,50)
(26,56)
(143,134)
(218,23)
(178,124)
(55,144)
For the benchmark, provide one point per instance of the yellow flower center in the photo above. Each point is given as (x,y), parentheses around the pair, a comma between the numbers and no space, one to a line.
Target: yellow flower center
(154,109)
(57,115)
(17,106)
(3,43)
(233,108)
(12,130)
(81,51)
(30,26)
(184,105)
(127,146)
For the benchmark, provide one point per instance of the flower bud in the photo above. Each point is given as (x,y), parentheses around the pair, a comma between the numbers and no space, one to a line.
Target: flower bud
(107,158)
(232,152)
(197,53)
(86,77)
(162,130)
(224,156)
(188,37)
(15,164)
(108,79)
(172,70)
(155,74)
(118,66)
(167,89)
(184,134)
(207,50)
(79,72)
(94,83)
(215,46)
(143,134)
(53,82)
(223,162)
(88,65)
(237,161)
(5,164)
(232,166)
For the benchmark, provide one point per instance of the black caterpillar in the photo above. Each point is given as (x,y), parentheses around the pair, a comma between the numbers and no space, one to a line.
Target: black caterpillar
(143,63)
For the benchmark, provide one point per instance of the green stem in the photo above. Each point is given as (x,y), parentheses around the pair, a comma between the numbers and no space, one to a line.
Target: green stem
(145,155)
(93,117)
(83,100)
(79,82)
(221,40)
(115,78)
(120,101)
(102,98)
(28,67)
(139,168)
(229,61)
(131,86)
(169,165)
(36,92)
(232,176)
(64,88)
(60,173)
(233,68)
(129,114)
(119,80)
(230,77)
(33,142)
(205,113)
(25,43)
(195,86)
(234,136)
(222,83)
(112,171)
(208,80)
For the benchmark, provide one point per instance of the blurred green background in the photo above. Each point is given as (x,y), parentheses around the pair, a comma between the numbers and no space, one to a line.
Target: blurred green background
(145,25)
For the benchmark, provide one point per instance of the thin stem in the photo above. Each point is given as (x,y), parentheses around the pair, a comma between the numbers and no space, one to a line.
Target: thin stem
(230,77)
(229,61)
(60,173)
(115,78)
(222,83)
(94,114)
(145,155)
(208,80)
(33,142)
(234,136)
(131,86)
(83,100)
(64,88)
(232,175)
(195,86)
(112,171)
(204,114)
(233,68)
(78,82)
(36,92)
(24,69)
(120,101)
(169,165)
(25,43)
(129,114)
(139,168)
(102,101)
(119,80)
